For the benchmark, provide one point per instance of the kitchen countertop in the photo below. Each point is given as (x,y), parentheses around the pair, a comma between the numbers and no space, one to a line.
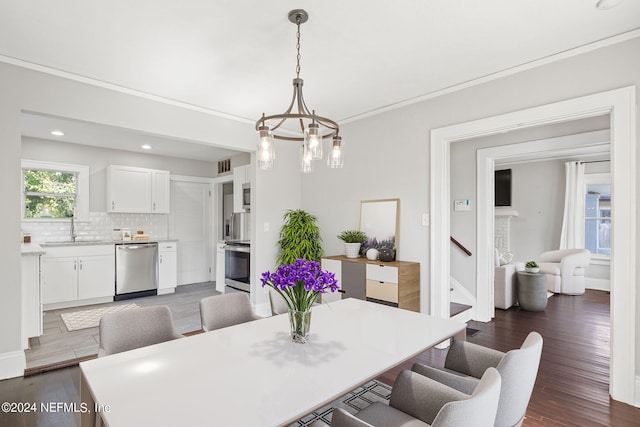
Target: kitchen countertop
(32,249)
(102,242)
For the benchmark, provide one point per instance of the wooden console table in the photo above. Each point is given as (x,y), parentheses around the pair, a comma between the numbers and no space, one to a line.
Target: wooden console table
(395,283)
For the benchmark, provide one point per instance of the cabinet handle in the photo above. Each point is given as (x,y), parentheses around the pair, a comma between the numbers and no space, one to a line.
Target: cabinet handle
(113,204)
(154,206)
(80,265)
(75,265)
(160,259)
(342,291)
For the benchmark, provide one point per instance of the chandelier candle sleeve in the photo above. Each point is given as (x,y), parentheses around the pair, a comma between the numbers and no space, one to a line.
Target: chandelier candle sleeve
(307,126)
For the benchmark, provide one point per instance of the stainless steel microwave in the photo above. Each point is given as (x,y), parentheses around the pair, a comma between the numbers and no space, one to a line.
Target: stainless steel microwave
(246,196)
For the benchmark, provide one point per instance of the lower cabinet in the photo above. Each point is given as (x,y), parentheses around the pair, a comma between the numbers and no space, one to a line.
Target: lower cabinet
(395,283)
(74,274)
(167,267)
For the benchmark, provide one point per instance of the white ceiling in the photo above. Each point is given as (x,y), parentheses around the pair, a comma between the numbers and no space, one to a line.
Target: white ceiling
(358,57)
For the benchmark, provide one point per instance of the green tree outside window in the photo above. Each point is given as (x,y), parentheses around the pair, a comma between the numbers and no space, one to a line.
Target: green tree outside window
(49,194)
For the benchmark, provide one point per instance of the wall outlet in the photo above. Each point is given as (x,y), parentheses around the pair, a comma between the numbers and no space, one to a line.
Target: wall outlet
(265,227)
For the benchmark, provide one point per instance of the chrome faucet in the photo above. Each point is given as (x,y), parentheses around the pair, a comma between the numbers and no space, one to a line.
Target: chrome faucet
(72,229)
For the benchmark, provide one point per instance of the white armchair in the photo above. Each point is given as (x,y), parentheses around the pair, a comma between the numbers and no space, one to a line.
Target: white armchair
(565,270)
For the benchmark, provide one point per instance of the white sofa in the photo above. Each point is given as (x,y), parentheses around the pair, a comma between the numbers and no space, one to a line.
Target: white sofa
(565,270)
(504,283)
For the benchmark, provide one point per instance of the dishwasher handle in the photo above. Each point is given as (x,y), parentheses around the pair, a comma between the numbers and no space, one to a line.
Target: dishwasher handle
(129,247)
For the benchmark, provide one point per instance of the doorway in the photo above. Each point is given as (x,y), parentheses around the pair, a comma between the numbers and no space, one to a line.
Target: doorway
(620,104)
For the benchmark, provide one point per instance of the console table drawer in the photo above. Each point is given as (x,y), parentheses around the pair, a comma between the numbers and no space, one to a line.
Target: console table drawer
(382,273)
(384,291)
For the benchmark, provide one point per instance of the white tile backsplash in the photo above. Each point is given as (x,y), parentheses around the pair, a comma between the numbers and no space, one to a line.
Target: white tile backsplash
(98,227)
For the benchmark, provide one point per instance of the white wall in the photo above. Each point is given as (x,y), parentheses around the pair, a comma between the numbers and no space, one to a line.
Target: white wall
(387,154)
(538,196)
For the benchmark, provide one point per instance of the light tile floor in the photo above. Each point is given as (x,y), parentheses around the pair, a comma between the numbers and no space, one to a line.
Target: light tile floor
(57,344)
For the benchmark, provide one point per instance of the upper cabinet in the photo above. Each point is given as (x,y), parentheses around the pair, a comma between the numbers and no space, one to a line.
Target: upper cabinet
(137,190)
(241,188)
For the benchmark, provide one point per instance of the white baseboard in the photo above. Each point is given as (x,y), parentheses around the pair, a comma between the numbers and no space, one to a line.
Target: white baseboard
(637,401)
(12,364)
(597,284)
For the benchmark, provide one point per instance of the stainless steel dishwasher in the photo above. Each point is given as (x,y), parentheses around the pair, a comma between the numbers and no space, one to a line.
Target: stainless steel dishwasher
(136,270)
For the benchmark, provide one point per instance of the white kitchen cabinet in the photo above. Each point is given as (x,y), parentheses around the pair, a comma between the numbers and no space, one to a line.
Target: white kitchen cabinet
(160,184)
(241,176)
(96,277)
(167,267)
(31,299)
(137,190)
(78,275)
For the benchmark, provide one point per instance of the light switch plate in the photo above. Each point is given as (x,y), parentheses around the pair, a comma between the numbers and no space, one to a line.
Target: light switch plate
(462,205)
(425,219)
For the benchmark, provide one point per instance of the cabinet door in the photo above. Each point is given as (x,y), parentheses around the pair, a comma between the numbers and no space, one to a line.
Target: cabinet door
(167,269)
(160,189)
(59,279)
(353,280)
(31,307)
(220,267)
(129,189)
(96,276)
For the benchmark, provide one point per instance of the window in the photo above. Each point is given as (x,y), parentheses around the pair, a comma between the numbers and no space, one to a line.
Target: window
(54,191)
(597,230)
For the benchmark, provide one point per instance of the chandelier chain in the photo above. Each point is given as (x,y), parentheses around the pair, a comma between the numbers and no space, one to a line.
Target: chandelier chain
(298,48)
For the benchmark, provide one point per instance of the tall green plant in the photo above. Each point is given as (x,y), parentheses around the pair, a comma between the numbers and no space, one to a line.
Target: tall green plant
(299,238)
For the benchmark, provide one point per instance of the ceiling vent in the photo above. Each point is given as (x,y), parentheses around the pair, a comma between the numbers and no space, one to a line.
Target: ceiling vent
(224,166)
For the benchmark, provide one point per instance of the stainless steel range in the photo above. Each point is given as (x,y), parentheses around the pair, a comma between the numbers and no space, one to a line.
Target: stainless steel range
(237,265)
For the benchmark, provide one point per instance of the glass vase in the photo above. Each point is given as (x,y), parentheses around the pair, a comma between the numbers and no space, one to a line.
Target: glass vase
(300,322)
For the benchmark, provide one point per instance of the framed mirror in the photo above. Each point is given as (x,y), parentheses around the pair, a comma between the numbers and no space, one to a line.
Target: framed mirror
(379,219)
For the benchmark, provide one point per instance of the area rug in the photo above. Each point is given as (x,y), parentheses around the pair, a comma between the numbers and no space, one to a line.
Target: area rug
(352,402)
(91,318)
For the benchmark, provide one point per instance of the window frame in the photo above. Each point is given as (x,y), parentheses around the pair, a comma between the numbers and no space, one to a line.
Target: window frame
(596,178)
(82,187)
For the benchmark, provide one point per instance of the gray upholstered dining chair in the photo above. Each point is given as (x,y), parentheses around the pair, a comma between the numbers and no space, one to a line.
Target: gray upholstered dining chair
(130,329)
(418,401)
(278,304)
(220,311)
(466,362)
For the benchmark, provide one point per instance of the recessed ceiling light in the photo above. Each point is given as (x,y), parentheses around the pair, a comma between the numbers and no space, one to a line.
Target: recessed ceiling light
(57,132)
(146,147)
(607,4)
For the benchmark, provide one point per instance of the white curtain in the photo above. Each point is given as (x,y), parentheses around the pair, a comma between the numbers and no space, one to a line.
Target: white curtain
(573,221)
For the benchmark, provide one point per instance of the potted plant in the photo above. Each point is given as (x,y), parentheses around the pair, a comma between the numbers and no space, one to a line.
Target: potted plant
(299,238)
(352,241)
(531,267)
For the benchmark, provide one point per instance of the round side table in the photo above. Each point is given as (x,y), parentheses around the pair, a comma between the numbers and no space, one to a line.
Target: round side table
(532,291)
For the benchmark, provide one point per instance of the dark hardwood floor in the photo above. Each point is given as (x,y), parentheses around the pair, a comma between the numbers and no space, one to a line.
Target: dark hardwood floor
(571,388)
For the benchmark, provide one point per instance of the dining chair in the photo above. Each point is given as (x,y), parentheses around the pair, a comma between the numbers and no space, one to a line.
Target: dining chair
(418,401)
(220,311)
(278,304)
(466,362)
(135,328)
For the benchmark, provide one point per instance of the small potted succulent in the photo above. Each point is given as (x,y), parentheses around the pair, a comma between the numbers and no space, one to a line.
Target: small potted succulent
(531,267)
(352,241)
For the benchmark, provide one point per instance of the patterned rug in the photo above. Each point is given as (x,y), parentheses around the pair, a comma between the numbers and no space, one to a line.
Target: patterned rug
(91,318)
(352,402)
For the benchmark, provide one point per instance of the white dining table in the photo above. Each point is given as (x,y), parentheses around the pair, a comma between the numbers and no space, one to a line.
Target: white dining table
(252,374)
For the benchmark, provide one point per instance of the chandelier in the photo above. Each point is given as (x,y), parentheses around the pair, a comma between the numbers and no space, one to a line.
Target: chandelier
(311,126)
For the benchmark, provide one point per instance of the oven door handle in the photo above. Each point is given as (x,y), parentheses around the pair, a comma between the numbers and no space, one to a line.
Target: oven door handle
(237,249)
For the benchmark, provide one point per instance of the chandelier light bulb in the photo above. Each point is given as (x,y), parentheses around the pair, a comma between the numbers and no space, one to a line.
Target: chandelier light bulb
(265,153)
(306,161)
(334,158)
(313,140)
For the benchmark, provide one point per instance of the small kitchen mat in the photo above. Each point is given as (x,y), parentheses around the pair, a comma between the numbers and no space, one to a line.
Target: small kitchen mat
(91,318)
